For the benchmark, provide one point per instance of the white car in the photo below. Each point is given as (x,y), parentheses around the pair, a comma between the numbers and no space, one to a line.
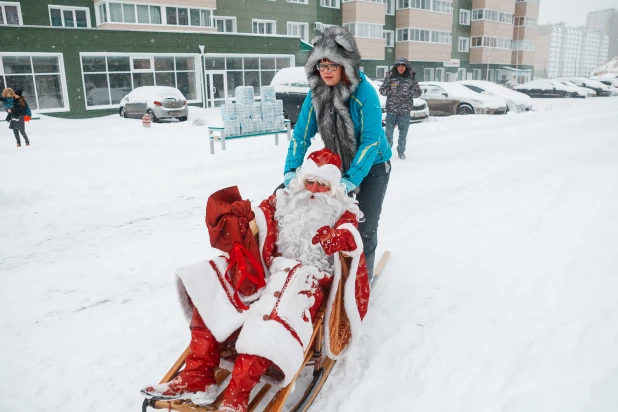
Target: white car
(549,88)
(583,90)
(446,99)
(160,102)
(516,102)
(612,82)
(600,88)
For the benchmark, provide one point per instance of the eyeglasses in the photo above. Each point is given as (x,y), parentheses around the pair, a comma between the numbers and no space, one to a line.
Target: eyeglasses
(330,67)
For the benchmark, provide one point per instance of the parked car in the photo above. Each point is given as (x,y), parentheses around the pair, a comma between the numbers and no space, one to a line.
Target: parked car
(445,99)
(549,88)
(160,102)
(515,101)
(600,88)
(292,87)
(581,90)
(612,83)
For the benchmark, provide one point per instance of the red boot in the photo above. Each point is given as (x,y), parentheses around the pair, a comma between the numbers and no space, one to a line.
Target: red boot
(196,382)
(246,374)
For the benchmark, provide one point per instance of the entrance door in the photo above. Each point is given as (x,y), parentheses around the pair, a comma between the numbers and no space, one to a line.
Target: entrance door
(216,87)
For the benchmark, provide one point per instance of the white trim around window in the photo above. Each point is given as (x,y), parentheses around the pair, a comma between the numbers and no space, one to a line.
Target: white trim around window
(389,38)
(464,17)
(366,30)
(381,71)
(298,1)
(46,70)
(299,29)
(463,45)
(13,7)
(110,11)
(440,73)
(108,77)
(260,26)
(224,26)
(331,4)
(70,16)
(390,7)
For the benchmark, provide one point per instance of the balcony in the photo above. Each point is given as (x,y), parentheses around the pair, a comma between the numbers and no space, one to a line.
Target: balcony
(490,55)
(420,51)
(421,19)
(362,11)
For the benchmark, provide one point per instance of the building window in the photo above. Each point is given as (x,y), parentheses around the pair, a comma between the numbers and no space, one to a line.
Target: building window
(61,16)
(298,1)
(492,15)
(381,72)
(113,12)
(464,44)
(464,17)
(461,74)
(492,42)
(476,74)
(526,21)
(367,1)
(438,6)
(390,7)
(389,38)
(108,78)
(252,70)
(428,75)
(368,30)
(330,3)
(528,1)
(299,30)
(41,76)
(263,26)
(524,45)
(440,74)
(425,36)
(10,13)
(225,24)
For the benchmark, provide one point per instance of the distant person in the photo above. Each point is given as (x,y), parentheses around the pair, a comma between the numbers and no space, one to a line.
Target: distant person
(20,113)
(400,88)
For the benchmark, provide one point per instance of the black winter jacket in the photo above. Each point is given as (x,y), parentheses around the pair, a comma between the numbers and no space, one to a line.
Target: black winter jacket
(400,89)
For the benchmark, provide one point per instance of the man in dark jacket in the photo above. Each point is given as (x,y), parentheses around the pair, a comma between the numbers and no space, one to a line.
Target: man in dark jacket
(400,88)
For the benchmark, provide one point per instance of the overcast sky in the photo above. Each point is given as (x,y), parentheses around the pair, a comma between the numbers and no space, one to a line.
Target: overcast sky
(572,12)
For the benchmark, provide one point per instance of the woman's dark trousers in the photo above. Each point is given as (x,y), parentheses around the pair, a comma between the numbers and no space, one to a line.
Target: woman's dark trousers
(23,133)
(370,199)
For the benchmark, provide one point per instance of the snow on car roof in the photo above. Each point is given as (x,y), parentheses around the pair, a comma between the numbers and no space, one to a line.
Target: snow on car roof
(152,91)
(291,79)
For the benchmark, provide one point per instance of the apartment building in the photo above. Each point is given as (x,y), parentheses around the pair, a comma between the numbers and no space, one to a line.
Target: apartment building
(77,58)
(606,22)
(569,51)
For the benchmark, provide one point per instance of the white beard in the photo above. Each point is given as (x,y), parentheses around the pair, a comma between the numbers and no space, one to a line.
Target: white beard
(300,215)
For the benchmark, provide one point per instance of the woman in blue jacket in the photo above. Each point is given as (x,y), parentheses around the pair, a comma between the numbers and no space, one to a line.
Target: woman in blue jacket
(345,109)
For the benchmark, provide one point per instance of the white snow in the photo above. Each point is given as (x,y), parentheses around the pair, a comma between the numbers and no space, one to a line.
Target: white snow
(500,295)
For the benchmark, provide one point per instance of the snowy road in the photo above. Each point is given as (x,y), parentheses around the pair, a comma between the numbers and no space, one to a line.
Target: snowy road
(500,294)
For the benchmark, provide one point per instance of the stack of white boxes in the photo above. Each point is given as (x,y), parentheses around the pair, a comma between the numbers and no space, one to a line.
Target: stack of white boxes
(247,116)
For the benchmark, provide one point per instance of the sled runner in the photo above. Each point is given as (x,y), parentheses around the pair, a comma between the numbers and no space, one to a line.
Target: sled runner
(314,358)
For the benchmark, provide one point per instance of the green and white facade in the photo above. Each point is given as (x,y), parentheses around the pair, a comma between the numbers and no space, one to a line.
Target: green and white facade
(77,58)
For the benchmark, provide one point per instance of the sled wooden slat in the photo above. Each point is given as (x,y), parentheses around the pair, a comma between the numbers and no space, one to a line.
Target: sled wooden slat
(258,397)
(382,263)
(176,367)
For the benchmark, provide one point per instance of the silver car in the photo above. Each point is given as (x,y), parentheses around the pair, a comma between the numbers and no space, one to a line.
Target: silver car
(160,102)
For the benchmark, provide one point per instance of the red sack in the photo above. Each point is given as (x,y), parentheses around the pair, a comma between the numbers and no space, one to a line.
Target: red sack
(27,118)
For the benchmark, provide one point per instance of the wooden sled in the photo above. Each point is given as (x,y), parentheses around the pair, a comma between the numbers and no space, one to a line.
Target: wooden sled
(314,358)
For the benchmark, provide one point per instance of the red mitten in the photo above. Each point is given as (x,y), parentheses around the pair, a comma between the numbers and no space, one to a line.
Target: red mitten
(334,240)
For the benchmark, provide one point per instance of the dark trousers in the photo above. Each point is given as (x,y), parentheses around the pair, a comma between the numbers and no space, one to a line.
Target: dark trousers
(23,133)
(370,198)
(402,121)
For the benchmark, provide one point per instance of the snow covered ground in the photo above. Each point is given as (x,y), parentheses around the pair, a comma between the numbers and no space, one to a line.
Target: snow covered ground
(501,293)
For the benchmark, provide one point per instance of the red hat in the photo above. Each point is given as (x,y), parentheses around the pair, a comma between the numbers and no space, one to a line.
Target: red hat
(324,164)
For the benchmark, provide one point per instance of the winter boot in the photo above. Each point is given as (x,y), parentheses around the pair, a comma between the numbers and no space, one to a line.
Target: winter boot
(246,374)
(402,156)
(196,382)
(18,145)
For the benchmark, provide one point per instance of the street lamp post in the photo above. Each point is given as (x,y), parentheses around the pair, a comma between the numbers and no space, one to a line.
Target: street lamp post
(204,94)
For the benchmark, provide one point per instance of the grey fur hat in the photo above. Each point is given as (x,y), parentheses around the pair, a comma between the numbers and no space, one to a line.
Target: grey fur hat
(337,45)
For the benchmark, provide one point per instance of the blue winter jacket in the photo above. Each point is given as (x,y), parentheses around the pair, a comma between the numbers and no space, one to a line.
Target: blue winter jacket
(366,114)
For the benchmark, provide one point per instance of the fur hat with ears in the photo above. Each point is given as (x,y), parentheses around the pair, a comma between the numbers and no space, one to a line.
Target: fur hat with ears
(331,103)
(8,92)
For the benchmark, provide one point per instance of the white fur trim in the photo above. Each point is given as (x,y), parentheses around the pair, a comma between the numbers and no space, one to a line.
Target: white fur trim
(328,172)
(357,239)
(349,304)
(201,283)
(260,220)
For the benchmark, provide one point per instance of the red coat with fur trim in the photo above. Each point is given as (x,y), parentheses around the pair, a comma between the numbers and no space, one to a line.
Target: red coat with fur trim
(277,320)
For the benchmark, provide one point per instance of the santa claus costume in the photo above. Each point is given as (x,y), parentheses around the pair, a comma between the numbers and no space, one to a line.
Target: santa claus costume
(255,305)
